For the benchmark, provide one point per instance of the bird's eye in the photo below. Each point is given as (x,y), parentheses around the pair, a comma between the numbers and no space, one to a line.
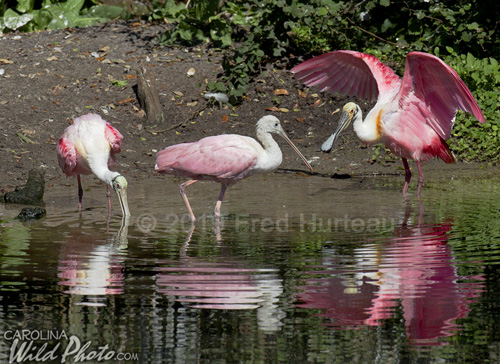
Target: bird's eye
(275,125)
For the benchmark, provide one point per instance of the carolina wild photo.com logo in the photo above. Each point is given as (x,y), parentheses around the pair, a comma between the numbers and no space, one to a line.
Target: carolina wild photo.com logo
(53,346)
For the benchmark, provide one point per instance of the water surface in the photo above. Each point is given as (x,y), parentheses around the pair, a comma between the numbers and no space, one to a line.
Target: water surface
(301,270)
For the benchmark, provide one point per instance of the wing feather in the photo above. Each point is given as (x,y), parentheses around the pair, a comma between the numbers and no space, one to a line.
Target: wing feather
(348,72)
(440,89)
(217,157)
(114,137)
(66,155)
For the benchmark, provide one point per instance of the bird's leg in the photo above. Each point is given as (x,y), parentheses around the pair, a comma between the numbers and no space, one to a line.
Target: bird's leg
(219,202)
(182,190)
(407,175)
(108,195)
(80,193)
(420,178)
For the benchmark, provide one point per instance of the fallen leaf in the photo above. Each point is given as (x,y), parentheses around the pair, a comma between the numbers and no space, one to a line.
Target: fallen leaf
(25,139)
(131,77)
(125,101)
(53,58)
(317,102)
(191,104)
(225,118)
(280,91)
(302,94)
(6,61)
(105,49)
(300,119)
(191,72)
(178,93)
(277,109)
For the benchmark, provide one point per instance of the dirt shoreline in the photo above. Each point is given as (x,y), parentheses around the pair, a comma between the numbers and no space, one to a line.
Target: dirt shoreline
(48,78)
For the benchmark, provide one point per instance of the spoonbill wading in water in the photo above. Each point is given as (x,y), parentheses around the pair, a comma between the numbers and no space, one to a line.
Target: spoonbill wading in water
(413,116)
(225,158)
(89,146)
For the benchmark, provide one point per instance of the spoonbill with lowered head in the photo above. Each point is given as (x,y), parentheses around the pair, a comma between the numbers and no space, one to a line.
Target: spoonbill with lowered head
(225,158)
(413,116)
(89,146)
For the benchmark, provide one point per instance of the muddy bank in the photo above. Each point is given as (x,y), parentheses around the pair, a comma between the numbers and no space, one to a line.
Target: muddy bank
(48,78)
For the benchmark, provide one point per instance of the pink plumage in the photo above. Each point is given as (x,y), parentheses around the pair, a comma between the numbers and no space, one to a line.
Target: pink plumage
(224,158)
(88,146)
(90,126)
(413,116)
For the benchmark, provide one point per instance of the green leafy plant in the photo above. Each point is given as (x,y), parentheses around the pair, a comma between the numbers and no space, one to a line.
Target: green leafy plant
(196,24)
(55,15)
(472,140)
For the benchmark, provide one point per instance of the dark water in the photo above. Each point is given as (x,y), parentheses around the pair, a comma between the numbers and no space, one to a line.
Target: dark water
(303,270)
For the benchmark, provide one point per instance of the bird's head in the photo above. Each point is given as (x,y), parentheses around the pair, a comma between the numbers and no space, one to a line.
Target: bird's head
(271,124)
(120,184)
(350,112)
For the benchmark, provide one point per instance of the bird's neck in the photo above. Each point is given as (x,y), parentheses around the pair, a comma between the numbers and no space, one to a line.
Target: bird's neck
(369,129)
(271,157)
(105,175)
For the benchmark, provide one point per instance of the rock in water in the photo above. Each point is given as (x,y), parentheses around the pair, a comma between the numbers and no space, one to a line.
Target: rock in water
(32,192)
(31,213)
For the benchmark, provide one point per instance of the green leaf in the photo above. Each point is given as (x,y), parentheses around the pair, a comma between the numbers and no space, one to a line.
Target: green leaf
(13,20)
(385,2)
(101,12)
(473,26)
(25,6)
(322,11)
(118,83)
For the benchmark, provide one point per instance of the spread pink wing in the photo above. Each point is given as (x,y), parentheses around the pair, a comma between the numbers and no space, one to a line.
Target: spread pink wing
(217,157)
(438,86)
(114,137)
(66,155)
(348,72)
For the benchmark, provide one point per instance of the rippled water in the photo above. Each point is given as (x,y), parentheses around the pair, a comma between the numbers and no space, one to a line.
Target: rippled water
(302,269)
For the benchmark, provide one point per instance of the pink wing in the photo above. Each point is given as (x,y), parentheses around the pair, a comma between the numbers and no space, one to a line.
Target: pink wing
(217,157)
(440,88)
(348,72)
(66,155)
(114,137)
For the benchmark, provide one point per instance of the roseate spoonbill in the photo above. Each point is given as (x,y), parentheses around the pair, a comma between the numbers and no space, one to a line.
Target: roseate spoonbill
(225,158)
(89,146)
(413,116)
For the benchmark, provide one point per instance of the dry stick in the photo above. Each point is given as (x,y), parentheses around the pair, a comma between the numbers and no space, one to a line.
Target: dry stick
(191,117)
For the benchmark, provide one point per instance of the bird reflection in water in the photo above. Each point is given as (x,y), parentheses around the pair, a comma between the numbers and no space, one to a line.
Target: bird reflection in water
(223,283)
(413,271)
(93,266)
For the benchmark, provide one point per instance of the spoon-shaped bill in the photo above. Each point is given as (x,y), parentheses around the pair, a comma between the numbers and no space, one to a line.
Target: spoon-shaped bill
(345,120)
(120,186)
